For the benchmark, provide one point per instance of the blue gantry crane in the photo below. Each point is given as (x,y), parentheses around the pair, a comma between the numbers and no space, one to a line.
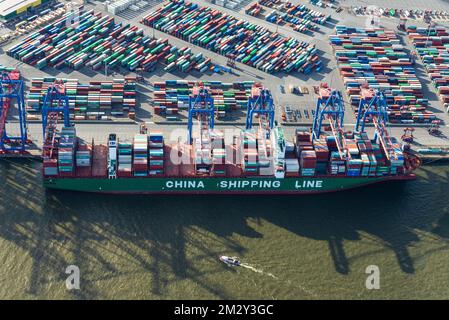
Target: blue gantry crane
(12,90)
(261,104)
(373,104)
(373,108)
(55,102)
(201,106)
(330,107)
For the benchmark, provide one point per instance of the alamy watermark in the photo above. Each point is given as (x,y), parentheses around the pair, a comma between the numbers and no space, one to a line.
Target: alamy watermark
(373,280)
(73,280)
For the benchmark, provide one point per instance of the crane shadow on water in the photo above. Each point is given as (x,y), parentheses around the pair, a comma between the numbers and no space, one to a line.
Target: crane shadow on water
(168,239)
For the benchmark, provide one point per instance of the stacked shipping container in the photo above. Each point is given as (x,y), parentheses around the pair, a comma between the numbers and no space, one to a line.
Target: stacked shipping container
(172,96)
(298,24)
(265,154)
(218,154)
(254,9)
(376,57)
(299,11)
(83,155)
(87,102)
(202,148)
(140,155)
(322,155)
(99,42)
(156,154)
(125,155)
(299,17)
(66,151)
(360,157)
(250,44)
(432,45)
(250,164)
(255,156)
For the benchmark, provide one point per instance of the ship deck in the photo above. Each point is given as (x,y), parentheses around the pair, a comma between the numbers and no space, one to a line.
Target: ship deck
(99,167)
(185,169)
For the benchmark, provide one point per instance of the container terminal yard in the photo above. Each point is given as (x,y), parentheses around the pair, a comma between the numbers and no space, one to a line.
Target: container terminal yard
(291,108)
(352,93)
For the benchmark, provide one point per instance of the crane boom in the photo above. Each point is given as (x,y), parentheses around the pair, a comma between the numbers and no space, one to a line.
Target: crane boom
(373,107)
(260,103)
(201,106)
(12,89)
(330,107)
(55,102)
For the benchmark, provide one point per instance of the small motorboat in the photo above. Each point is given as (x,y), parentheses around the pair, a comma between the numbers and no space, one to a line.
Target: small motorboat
(232,261)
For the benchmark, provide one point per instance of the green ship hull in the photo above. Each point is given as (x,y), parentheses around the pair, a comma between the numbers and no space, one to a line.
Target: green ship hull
(215,185)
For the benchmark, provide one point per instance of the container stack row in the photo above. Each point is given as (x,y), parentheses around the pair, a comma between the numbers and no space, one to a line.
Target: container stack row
(125,155)
(321,149)
(83,155)
(202,148)
(281,18)
(230,4)
(305,154)
(184,60)
(172,96)
(218,154)
(291,160)
(66,151)
(254,9)
(250,154)
(120,5)
(354,162)
(300,11)
(50,161)
(265,154)
(5,68)
(250,44)
(94,101)
(298,19)
(140,155)
(256,153)
(279,152)
(156,153)
(360,156)
(432,45)
(291,166)
(50,167)
(376,57)
(99,42)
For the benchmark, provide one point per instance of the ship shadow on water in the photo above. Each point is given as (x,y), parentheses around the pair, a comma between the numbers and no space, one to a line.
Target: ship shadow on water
(175,238)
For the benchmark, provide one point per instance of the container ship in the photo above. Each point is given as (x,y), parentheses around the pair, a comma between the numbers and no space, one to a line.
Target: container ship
(260,159)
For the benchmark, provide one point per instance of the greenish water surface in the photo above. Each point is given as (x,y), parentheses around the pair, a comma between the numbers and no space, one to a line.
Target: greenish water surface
(167,247)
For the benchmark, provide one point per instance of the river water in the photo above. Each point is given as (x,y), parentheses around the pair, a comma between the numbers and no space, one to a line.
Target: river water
(166,247)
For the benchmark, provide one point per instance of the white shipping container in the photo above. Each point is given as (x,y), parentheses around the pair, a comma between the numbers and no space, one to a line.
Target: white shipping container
(142,4)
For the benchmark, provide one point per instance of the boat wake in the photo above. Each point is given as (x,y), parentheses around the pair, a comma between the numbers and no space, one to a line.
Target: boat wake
(250,267)
(289,282)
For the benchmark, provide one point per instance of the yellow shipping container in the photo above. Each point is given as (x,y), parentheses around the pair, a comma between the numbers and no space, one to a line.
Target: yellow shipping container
(33,4)
(20,24)
(22,9)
